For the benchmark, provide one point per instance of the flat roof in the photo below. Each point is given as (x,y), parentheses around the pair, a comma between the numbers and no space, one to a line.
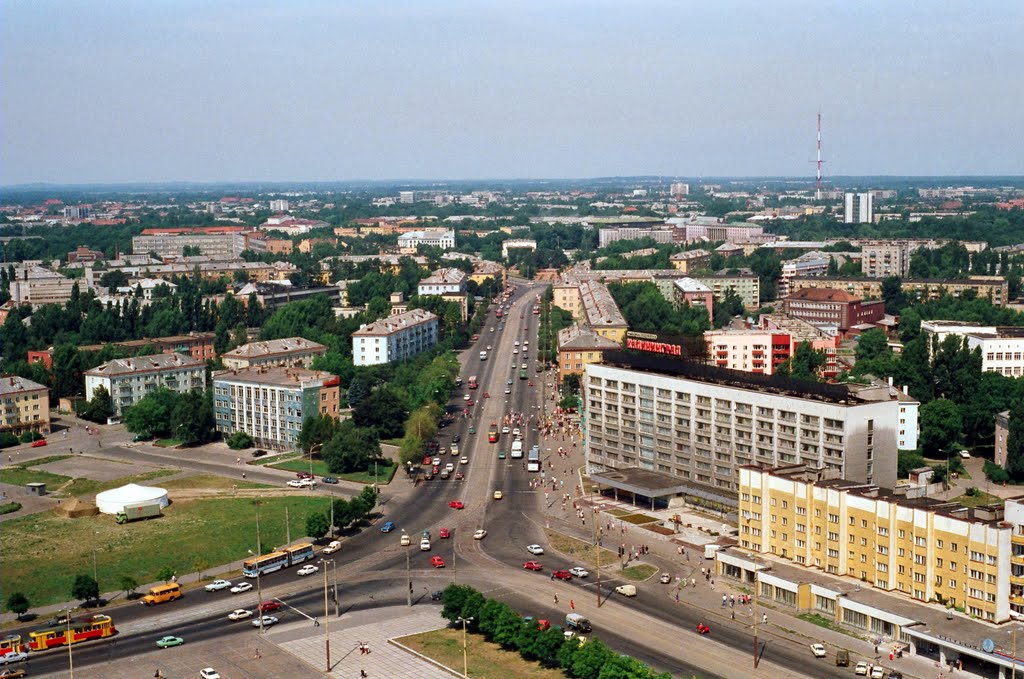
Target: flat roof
(640,481)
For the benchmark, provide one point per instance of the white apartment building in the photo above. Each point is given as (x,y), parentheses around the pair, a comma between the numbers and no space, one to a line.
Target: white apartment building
(37,285)
(698,425)
(857,208)
(173,243)
(271,403)
(1002,348)
(448,281)
(148,285)
(517,244)
(809,264)
(889,258)
(291,351)
(442,238)
(279,205)
(128,380)
(394,338)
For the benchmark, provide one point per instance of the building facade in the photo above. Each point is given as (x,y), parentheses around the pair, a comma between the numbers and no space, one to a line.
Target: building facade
(394,338)
(858,208)
(25,406)
(413,240)
(447,281)
(889,258)
(578,347)
(219,241)
(696,294)
(290,352)
(743,282)
(994,288)
(836,308)
(701,424)
(924,549)
(690,260)
(270,403)
(128,380)
(808,264)
(753,351)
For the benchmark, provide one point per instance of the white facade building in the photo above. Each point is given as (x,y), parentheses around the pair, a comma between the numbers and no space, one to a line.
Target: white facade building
(412,240)
(128,380)
(448,281)
(517,244)
(857,208)
(394,338)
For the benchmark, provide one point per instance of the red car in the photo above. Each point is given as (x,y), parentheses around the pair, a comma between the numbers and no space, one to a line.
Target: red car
(456,504)
(533,566)
(426,460)
(486,395)
(39,444)
(267,606)
(471,403)
(445,533)
(459,476)
(702,628)
(304,475)
(437,561)
(435,470)
(530,383)
(563,575)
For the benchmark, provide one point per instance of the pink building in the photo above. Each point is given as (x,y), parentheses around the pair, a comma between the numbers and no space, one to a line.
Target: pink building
(752,351)
(696,294)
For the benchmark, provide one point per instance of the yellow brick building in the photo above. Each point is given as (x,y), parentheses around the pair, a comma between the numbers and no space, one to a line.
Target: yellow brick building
(928,550)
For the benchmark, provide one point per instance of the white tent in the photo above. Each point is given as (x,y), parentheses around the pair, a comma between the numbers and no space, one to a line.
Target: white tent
(114,500)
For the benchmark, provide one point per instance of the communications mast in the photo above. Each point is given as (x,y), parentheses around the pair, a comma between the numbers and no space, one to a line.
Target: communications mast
(817,192)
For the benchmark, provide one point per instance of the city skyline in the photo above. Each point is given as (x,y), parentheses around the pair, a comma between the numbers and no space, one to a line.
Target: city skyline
(182,91)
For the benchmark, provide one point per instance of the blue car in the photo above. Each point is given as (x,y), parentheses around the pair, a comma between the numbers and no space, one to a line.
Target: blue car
(387,527)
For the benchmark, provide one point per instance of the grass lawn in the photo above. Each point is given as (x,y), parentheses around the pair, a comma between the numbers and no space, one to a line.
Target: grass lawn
(486,660)
(20,475)
(204,481)
(83,486)
(638,518)
(979,500)
(384,475)
(618,512)
(385,472)
(639,572)
(45,460)
(42,553)
(167,443)
(301,464)
(582,552)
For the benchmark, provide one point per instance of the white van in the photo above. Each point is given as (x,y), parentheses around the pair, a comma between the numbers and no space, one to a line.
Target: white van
(517,449)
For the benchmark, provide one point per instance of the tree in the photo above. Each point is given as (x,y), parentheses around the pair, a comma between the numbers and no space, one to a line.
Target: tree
(907,461)
(100,407)
(317,525)
(17,603)
(166,573)
(804,364)
(872,344)
(192,420)
(941,426)
(151,415)
(129,585)
(892,293)
(590,658)
(316,430)
(351,448)
(1015,443)
(383,410)
(85,588)
(239,440)
(113,279)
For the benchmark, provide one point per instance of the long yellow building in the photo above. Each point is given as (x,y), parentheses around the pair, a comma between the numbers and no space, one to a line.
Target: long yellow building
(928,550)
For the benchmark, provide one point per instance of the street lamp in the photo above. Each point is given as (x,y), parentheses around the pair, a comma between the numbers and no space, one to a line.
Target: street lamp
(67,638)
(465,655)
(408,578)
(317,447)
(327,614)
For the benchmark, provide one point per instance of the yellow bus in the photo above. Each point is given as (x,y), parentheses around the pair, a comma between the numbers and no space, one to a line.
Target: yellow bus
(162,593)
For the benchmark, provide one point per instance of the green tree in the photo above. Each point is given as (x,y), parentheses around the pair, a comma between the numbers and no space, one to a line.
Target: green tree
(100,407)
(382,410)
(85,588)
(113,279)
(17,603)
(151,415)
(129,585)
(1015,443)
(892,293)
(165,573)
(317,525)
(192,420)
(67,370)
(239,440)
(872,345)
(907,461)
(805,363)
(316,430)
(452,599)
(941,427)
(590,658)
(351,448)
(343,514)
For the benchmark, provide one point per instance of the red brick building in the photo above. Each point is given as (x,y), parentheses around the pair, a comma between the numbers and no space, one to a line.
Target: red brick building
(833,307)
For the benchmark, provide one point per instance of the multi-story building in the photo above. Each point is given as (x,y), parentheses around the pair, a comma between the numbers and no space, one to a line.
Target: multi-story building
(394,338)
(808,264)
(1002,437)
(689,261)
(698,424)
(198,345)
(270,403)
(694,293)
(213,241)
(26,406)
(857,208)
(279,205)
(922,548)
(128,380)
(679,189)
(76,213)
(82,254)
(517,244)
(743,282)
(579,346)
(291,352)
(438,238)
(37,286)
(749,350)
(447,281)
(802,331)
(833,308)
(1001,348)
(613,235)
(886,258)
(993,288)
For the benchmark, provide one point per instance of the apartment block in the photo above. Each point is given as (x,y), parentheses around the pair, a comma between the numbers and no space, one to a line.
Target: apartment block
(690,260)
(394,338)
(447,281)
(925,549)
(413,240)
(579,346)
(754,350)
(743,282)
(270,403)
(808,264)
(698,425)
(290,352)
(600,311)
(836,308)
(1001,348)
(694,293)
(26,406)
(128,380)
(858,208)
(884,259)
(994,288)
(801,331)
(198,345)
(37,286)
(213,241)
(613,235)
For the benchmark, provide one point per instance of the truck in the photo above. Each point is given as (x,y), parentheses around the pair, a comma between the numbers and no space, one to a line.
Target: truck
(577,622)
(710,551)
(138,510)
(626,590)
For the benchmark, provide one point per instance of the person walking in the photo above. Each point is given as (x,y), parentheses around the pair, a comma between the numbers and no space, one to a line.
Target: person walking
(764,619)
(572,604)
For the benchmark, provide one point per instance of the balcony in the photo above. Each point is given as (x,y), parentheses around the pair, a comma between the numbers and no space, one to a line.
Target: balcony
(1017,559)
(1017,539)
(1017,580)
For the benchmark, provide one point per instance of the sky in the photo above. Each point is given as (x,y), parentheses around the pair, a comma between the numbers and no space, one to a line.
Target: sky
(208,91)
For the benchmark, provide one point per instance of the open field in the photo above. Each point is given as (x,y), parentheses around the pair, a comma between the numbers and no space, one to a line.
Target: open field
(486,660)
(205,481)
(42,553)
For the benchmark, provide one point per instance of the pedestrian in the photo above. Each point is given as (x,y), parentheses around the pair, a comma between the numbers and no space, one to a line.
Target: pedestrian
(556,598)
(553,577)
(693,582)
(362,673)
(724,600)
(677,596)
(316,622)
(258,655)
(572,604)
(734,614)
(764,619)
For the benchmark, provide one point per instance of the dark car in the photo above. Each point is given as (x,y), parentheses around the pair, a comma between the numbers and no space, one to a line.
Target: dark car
(330,479)
(456,438)
(304,475)
(259,452)
(387,527)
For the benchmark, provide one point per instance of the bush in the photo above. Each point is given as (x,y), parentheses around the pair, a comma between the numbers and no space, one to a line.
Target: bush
(8,439)
(995,473)
(239,441)
(9,507)
(30,436)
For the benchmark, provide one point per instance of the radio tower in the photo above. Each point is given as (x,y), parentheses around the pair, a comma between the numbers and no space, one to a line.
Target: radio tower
(817,192)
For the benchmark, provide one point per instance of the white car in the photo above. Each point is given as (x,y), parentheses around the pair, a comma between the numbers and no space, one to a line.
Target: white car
(508,390)
(424,545)
(818,650)
(209,673)
(239,614)
(504,430)
(498,495)
(217,585)
(516,343)
(406,540)
(332,547)
(465,397)
(515,351)
(266,620)
(515,432)
(480,534)
(489,346)
(302,483)
(861,669)
(579,571)
(464,460)
(536,550)
(878,672)
(16,656)
(308,569)
(241,587)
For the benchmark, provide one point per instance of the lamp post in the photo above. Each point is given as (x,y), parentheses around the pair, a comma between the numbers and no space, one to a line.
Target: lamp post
(259,593)
(408,578)
(71,662)
(317,447)
(1013,670)
(753,610)
(465,654)
(327,615)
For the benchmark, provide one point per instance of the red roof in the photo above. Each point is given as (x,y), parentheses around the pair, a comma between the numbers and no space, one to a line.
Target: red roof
(195,229)
(822,295)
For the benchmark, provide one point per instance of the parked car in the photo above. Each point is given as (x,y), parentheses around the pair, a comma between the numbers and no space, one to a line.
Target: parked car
(168,641)
(39,444)
(861,669)
(259,452)
(209,673)
(217,585)
(13,674)
(497,494)
(301,483)
(308,569)
(818,650)
(536,550)
(665,578)
(878,672)
(241,587)
(239,614)
(303,475)
(264,621)
(533,566)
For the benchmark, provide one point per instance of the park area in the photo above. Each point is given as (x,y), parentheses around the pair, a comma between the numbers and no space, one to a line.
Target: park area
(486,660)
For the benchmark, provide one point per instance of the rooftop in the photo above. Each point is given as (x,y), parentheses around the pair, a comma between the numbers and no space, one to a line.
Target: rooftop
(599,305)
(690,285)
(822,295)
(445,276)
(279,376)
(155,363)
(689,254)
(578,336)
(396,323)
(13,384)
(272,347)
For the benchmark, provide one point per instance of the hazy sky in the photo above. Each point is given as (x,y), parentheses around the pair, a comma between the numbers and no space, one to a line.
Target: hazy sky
(208,91)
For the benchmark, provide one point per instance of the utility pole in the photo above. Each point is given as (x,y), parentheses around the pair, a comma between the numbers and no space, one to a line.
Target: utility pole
(754,612)
(287,527)
(71,662)
(327,616)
